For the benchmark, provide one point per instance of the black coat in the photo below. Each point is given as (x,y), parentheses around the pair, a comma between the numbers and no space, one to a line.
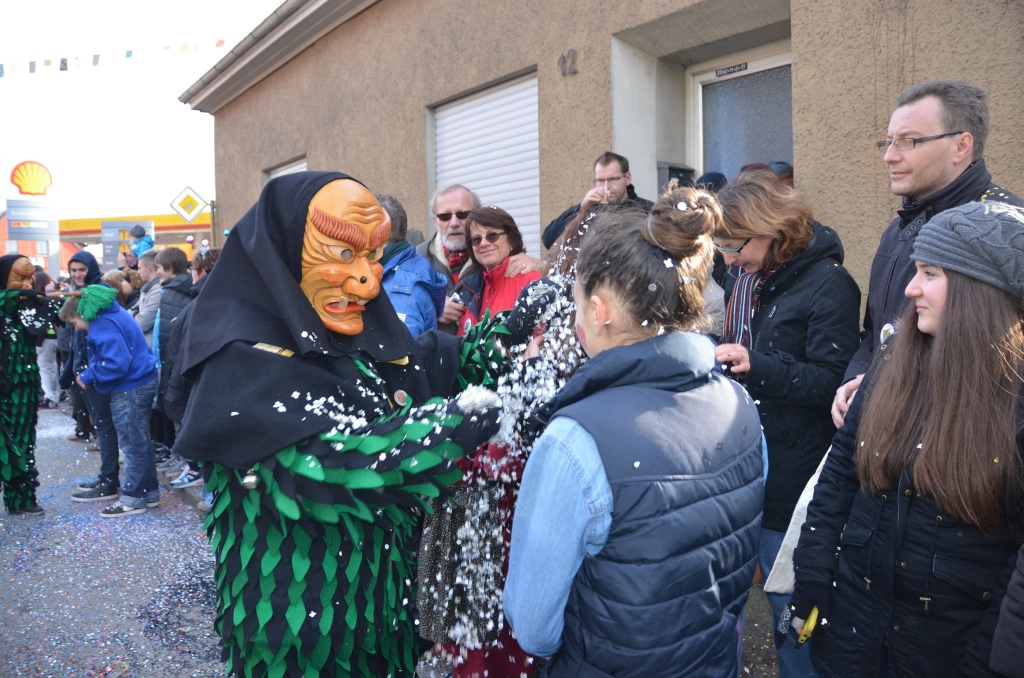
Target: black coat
(802,337)
(892,268)
(558,225)
(1007,656)
(911,550)
(176,294)
(176,387)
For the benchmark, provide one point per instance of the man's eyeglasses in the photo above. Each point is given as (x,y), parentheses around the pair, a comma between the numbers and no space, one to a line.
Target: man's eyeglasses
(490,237)
(609,180)
(731,250)
(906,144)
(447,216)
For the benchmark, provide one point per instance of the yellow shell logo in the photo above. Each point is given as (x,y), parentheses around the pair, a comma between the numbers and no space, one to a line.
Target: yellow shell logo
(31,178)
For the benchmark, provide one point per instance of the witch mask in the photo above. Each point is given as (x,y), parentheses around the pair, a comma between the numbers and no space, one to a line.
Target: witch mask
(20,276)
(345,231)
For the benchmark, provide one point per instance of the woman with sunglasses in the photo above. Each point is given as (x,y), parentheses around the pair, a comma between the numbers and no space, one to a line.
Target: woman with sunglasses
(492,238)
(791,327)
(923,488)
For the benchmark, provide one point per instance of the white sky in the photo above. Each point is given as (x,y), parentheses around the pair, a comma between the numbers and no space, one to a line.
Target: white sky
(115,137)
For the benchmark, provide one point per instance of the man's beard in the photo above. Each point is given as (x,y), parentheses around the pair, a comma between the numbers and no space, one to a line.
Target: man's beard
(455,243)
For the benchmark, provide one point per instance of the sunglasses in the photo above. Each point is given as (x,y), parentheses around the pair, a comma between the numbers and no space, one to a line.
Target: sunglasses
(731,250)
(490,237)
(447,216)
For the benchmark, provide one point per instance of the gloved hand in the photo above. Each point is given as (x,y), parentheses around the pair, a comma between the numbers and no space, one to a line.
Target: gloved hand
(479,409)
(807,595)
(29,294)
(528,309)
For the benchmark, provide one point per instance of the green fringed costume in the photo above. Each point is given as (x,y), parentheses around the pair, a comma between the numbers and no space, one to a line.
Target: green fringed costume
(321,449)
(20,321)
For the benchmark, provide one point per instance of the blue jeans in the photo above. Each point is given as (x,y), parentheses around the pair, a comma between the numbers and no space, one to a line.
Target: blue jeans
(794,657)
(99,408)
(131,410)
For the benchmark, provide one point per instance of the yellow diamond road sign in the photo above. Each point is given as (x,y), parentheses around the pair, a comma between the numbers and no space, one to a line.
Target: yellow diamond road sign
(188,204)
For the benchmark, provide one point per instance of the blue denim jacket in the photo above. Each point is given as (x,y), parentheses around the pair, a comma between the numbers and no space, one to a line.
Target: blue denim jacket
(563,514)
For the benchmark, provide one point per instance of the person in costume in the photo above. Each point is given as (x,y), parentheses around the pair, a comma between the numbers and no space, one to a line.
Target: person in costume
(319,423)
(23,316)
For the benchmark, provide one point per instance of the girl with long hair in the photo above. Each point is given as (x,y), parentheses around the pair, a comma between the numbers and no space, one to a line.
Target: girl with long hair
(915,522)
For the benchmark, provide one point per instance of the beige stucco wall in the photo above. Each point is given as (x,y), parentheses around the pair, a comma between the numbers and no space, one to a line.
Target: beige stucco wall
(357,100)
(852,58)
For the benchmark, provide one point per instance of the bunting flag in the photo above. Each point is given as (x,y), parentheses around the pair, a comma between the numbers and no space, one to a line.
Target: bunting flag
(66,64)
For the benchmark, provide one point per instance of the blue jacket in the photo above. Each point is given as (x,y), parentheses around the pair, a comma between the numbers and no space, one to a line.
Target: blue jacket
(119,357)
(416,290)
(142,244)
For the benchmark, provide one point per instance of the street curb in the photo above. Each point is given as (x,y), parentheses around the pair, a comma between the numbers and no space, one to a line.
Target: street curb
(189,495)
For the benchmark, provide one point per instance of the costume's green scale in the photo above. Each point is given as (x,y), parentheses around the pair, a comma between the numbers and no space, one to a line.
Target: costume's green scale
(19,400)
(314,546)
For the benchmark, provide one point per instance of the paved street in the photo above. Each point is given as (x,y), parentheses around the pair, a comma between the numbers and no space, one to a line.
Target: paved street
(82,595)
(133,597)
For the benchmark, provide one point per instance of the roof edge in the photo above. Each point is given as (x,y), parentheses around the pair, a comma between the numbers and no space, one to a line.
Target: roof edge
(290,30)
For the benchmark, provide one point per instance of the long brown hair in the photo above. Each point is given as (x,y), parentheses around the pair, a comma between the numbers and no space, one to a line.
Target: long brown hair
(948,406)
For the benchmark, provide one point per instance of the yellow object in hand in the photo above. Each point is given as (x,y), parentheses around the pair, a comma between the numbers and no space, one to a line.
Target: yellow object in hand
(812,621)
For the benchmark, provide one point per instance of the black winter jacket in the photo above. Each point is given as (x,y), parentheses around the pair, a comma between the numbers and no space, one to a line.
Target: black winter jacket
(892,268)
(802,337)
(176,387)
(177,292)
(559,223)
(909,577)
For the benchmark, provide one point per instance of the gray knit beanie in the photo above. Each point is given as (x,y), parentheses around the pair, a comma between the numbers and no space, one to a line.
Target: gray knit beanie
(982,240)
(138,231)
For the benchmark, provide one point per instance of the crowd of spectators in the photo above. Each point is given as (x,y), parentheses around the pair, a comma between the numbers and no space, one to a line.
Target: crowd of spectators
(721,350)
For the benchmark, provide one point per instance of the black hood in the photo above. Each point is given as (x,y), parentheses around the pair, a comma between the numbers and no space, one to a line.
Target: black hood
(6,264)
(95,275)
(825,245)
(253,292)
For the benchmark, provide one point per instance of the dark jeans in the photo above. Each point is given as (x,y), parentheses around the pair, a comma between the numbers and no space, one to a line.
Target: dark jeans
(83,424)
(99,408)
(131,411)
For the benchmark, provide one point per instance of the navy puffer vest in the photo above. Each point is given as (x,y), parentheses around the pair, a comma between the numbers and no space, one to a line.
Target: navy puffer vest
(681,448)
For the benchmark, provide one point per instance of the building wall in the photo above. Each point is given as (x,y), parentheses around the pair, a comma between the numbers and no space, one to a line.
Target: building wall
(357,101)
(851,59)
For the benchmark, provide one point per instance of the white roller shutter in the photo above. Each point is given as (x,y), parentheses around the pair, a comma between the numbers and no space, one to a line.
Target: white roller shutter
(489,142)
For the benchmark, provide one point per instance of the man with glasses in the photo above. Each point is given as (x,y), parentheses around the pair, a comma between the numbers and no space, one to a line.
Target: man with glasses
(613,184)
(934,154)
(446,251)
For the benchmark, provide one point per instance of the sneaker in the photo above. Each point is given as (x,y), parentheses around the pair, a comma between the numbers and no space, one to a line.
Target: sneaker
(117,510)
(90,484)
(152,503)
(174,460)
(175,466)
(92,447)
(102,492)
(30,510)
(75,438)
(203,506)
(47,404)
(188,478)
